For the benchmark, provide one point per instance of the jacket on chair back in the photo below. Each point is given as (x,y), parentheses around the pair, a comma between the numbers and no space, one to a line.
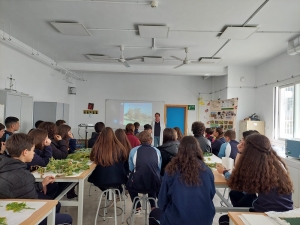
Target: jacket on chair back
(144,164)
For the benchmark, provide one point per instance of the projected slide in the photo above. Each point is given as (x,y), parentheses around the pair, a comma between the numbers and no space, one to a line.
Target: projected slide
(137,112)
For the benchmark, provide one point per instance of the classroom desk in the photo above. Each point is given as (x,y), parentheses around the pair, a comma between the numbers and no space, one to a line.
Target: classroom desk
(75,180)
(234,218)
(220,182)
(47,210)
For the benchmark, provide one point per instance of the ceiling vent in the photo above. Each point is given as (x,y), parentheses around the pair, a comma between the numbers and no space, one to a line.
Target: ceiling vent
(153,31)
(71,28)
(238,33)
(153,60)
(98,58)
(210,60)
(293,47)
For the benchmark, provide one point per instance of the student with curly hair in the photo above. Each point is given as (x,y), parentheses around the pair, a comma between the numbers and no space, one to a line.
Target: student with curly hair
(198,129)
(187,191)
(269,177)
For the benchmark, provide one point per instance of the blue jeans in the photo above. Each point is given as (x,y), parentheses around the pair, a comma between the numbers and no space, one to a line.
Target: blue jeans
(156,141)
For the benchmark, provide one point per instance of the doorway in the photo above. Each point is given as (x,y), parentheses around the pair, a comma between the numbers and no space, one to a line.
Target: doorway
(177,116)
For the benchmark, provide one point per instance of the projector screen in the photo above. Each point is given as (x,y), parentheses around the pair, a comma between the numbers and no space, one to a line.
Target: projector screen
(118,113)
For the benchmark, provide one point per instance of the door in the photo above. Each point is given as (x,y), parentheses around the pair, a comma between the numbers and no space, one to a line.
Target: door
(176,116)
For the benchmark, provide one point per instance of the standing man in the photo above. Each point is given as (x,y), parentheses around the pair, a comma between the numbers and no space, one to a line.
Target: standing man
(158,127)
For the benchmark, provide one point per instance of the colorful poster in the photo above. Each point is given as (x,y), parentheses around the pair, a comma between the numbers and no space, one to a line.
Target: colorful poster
(223,113)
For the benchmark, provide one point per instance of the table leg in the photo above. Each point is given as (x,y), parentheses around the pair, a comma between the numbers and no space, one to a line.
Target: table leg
(80,201)
(230,222)
(51,217)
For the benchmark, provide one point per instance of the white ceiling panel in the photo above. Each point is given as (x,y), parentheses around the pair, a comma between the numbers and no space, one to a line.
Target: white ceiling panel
(195,24)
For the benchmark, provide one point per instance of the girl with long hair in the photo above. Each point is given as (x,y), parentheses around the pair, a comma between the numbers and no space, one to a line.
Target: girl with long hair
(179,133)
(134,141)
(64,131)
(42,150)
(169,148)
(59,146)
(220,139)
(2,145)
(109,155)
(260,170)
(121,135)
(187,191)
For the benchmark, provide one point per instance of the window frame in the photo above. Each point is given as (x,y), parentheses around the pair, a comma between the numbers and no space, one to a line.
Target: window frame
(277,110)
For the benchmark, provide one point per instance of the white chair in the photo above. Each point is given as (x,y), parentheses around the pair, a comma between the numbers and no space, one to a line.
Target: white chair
(111,194)
(144,200)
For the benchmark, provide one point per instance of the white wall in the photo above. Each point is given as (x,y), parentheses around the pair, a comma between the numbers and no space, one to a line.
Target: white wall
(219,83)
(33,77)
(278,68)
(170,89)
(244,91)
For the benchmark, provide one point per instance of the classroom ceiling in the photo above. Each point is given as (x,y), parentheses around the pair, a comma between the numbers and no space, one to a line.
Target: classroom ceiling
(195,24)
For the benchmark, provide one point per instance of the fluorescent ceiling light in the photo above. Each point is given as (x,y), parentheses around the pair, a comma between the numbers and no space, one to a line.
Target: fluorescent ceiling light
(238,33)
(71,28)
(210,60)
(151,31)
(99,58)
(153,60)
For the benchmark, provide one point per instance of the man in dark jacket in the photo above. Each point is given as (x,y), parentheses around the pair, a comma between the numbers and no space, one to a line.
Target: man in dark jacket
(98,128)
(16,181)
(12,124)
(198,129)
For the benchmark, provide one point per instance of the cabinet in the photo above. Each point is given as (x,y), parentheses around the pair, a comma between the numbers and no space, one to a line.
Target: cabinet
(50,111)
(18,105)
(251,125)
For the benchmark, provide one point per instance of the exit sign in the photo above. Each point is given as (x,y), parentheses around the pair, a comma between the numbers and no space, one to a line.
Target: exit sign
(191,107)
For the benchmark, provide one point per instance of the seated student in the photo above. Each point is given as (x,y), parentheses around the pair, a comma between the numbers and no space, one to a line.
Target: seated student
(136,128)
(42,150)
(98,128)
(169,148)
(64,131)
(134,141)
(209,134)
(229,149)
(274,194)
(198,129)
(121,136)
(219,140)
(144,164)
(17,182)
(60,122)
(187,190)
(179,133)
(37,123)
(12,125)
(109,155)
(239,198)
(59,146)
(148,128)
(2,144)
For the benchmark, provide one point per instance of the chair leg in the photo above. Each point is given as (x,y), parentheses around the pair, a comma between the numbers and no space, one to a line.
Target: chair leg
(98,208)
(134,209)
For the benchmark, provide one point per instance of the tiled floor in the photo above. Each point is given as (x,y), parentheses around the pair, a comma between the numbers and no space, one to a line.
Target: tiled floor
(91,204)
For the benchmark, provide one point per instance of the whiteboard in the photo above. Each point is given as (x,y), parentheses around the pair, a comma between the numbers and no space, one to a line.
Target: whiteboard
(118,113)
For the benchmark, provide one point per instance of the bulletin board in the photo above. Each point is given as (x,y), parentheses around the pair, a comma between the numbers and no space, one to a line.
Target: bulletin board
(218,113)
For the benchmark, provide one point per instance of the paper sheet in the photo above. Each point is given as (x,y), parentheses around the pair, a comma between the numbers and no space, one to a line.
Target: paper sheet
(213,159)
(19,217)
(227,163)
(250,219)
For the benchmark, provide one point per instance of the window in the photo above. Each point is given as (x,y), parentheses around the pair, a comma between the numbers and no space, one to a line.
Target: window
(287,118)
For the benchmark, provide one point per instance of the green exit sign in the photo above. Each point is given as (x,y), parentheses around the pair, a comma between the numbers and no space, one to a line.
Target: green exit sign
(191,107)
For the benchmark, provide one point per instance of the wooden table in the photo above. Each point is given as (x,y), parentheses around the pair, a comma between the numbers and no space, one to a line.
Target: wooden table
(221,182)
(234,218)
(47,210)
(74,180)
